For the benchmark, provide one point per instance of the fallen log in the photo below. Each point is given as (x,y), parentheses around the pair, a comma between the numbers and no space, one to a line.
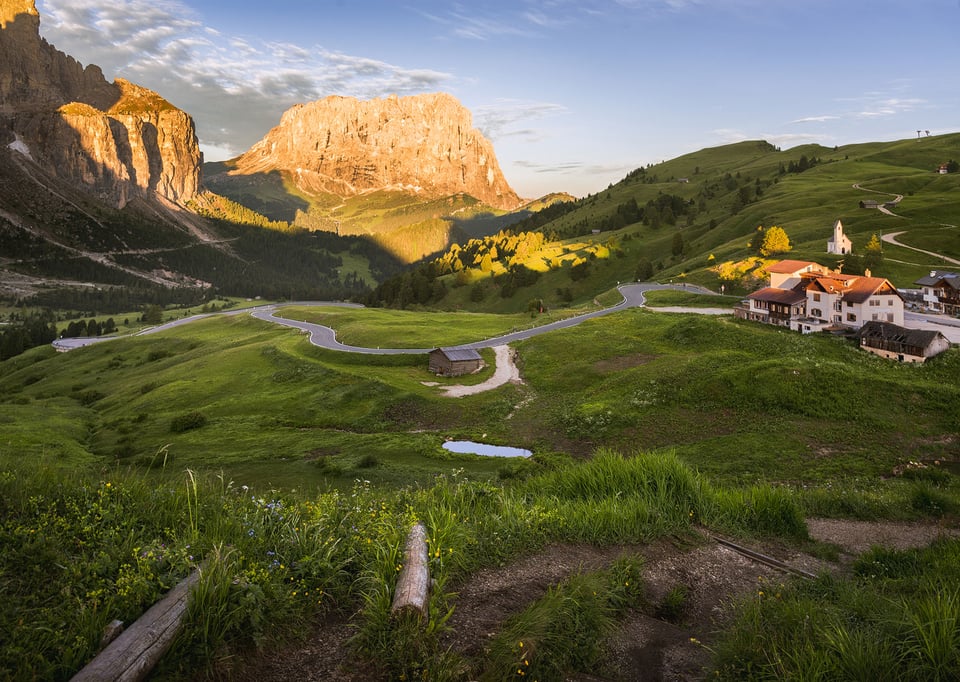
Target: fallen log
(135,652)
(413,584)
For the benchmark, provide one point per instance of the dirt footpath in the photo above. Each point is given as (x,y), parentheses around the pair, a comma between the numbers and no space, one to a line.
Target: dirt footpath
(506,372)
(647,646)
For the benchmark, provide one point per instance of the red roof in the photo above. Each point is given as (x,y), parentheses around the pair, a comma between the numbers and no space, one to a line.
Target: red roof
(787,267)
(774,295)
(853,288)
(863,288)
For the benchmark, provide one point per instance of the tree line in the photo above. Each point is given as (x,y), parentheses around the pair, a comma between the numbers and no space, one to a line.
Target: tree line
(26,331)
(422,284)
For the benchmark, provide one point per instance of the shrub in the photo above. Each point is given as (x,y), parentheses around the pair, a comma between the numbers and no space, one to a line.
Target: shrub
(188,421)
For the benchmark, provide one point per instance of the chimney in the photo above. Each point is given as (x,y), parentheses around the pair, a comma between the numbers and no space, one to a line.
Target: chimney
(933,273)
(866,272)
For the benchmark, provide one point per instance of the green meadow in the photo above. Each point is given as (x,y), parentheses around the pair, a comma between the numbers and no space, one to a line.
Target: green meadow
(291,473)
(692,214)
(739,402)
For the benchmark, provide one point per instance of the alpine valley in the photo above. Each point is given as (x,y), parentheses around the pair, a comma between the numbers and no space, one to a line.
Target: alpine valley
(106,203)
(240,459)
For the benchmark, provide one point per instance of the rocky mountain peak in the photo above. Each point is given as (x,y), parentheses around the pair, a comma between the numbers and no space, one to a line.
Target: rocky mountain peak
(117,140)
(422,144)
(10,10)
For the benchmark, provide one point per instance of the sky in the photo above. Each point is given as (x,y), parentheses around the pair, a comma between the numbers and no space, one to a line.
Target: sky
(574,94)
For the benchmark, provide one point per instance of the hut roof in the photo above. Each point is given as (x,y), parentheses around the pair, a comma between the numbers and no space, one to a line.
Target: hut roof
(459,354)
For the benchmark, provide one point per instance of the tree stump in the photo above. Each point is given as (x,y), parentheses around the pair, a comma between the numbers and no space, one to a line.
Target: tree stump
(135,652)
(413,584)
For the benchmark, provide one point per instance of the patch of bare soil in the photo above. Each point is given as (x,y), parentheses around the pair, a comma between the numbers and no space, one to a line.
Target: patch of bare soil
(651,644)
(856,537)
(646,646)
(324,656)
(505,372)
(492,595)
(623,362)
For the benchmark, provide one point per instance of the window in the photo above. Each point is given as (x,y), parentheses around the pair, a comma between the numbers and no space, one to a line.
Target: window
(849,304)
(816,297)
(815,312)
(874,301)
(890,302)
(876,316)
(851,317)
(889,317)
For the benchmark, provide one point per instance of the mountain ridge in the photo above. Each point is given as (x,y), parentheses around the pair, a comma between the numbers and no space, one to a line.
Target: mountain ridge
(421,144)
(118,141)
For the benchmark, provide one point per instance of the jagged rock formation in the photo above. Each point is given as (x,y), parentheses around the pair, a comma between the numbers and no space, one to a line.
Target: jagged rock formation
(425,144)
(119,141)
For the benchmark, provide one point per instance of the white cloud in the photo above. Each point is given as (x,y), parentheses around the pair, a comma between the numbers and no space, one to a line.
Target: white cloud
(495,121)
(816,119)
(469,23)
(576,168)
(729,135)
(162,45)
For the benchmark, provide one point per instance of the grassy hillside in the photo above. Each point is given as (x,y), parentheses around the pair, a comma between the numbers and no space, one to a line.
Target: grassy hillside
(404,224)
(736,400)
(293,472)
(686,217)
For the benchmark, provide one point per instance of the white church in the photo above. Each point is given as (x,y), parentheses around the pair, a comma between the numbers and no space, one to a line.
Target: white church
(840,244)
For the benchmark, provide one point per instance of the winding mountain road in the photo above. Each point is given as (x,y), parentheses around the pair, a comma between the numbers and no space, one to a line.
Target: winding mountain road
(633,297)
(892,239)
(325,337)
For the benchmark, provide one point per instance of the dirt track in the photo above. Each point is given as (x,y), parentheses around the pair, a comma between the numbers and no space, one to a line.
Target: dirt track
(506,372)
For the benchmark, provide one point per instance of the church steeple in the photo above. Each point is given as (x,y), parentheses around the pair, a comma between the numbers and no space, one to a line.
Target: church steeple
(839,244)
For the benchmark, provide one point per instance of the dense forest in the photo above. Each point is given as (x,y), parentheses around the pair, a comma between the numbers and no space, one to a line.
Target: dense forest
(26,330)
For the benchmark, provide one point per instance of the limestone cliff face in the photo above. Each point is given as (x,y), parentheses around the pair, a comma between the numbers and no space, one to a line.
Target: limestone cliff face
(424,144)
(119,141)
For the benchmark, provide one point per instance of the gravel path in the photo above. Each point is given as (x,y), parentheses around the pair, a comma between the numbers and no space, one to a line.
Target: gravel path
(506,372)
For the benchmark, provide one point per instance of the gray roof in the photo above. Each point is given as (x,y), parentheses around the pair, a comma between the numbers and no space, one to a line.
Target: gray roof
(885,331)
(937,276)
(459,354)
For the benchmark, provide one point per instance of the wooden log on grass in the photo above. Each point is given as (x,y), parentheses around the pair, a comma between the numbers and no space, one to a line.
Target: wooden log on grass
(413,584)
(135,652)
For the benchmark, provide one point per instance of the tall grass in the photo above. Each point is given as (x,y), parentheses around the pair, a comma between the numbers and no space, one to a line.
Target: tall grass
(897,618)
(271,562)
(658,493)
(563,631)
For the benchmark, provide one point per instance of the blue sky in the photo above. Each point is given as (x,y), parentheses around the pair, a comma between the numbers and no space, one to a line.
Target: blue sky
(573,93)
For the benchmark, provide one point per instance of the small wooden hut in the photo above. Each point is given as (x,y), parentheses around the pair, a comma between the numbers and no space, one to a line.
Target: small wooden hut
(454,362)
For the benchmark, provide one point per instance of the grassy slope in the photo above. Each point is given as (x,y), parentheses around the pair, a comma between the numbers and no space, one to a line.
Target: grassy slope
(741,402)
(805,205)
(738,401)
(404,224)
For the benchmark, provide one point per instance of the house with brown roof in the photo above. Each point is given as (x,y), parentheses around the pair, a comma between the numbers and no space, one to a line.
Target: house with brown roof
(773,305)
(897,343)
(808,297)
(941,291)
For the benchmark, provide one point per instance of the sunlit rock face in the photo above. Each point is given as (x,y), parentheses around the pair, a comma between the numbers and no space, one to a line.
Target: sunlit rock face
(116,140)
(424,144)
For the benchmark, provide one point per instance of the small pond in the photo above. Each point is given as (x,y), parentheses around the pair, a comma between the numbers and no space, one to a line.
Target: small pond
(471,448)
